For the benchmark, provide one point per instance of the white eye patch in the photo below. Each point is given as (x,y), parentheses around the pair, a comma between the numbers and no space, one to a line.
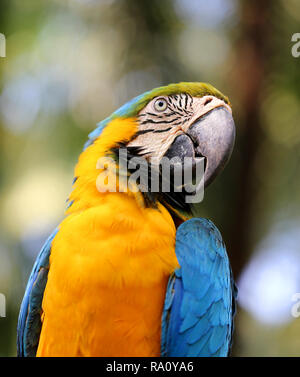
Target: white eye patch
(160,104)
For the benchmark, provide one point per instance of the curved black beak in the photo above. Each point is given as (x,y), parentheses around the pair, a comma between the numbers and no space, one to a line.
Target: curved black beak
(213,136)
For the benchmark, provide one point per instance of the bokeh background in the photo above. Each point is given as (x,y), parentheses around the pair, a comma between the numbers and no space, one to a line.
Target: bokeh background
(71,63)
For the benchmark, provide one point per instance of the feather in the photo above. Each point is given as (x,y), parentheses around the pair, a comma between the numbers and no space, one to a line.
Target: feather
(199,320)
(29,323)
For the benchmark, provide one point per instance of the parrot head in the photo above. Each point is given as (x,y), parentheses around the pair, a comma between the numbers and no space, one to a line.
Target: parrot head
(177,121)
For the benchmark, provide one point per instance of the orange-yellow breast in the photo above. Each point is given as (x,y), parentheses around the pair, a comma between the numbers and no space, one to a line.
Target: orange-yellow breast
(109,267)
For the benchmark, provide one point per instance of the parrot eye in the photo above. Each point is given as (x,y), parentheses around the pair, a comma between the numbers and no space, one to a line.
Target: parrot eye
(160,104)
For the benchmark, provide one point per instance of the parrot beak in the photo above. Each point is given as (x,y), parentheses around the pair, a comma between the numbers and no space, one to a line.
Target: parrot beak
(213,136)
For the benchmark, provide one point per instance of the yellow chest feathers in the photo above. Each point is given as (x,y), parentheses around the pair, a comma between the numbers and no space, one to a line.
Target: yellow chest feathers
(109,267)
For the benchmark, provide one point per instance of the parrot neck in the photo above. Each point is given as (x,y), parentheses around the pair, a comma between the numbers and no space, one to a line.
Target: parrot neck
(87,187)
(85,193)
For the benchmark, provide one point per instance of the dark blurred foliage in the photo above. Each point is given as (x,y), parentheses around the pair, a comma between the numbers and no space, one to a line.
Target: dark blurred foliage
(71,63)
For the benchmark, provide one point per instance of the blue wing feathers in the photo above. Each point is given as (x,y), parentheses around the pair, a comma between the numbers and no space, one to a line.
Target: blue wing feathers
(198,317)
(29,323)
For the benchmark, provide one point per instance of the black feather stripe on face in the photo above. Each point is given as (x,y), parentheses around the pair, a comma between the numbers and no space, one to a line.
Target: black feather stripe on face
(172,198)
(179,108)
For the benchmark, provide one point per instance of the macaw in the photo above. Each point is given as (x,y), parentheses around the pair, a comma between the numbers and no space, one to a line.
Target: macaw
(133,273)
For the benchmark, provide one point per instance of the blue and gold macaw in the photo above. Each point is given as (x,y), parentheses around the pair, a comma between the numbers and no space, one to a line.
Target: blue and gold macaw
(130,272)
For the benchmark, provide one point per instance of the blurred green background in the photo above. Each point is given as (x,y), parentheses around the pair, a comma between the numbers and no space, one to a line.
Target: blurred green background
(69,64)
